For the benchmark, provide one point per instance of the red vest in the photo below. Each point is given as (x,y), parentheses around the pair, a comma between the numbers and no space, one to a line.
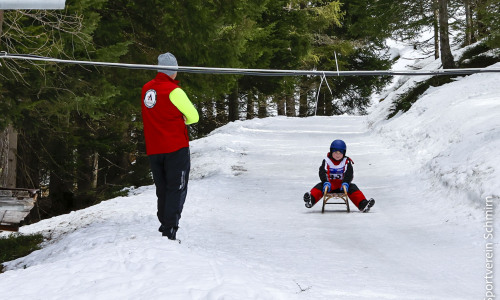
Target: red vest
(164,127)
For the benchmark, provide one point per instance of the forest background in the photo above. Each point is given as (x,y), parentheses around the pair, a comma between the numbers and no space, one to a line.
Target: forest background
(75,132)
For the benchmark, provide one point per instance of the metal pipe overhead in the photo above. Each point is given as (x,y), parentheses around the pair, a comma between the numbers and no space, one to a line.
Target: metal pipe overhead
(32,4)
(254,72)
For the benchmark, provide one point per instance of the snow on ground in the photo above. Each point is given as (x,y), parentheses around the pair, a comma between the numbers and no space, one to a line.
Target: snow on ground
(246,233)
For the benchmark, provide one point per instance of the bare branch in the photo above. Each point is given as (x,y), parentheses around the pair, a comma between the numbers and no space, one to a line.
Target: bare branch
(40,32)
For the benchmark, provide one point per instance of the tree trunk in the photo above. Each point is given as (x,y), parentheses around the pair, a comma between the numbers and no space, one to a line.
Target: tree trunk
(4,143)
(28,162)
(210,121)
(201,122)
(95,170)
(482,30)
(468,23)
(234,105)
(320,106)
(250,106)
(303,101)
(1,21)
(4,160)
(281,105)
(11,157)
(329,110)
(207,122)
(290,105)
(435,23)
(61,181)
(8,148)
(60,194)
(262,105)
(221,112)
(87,170)
(446,56)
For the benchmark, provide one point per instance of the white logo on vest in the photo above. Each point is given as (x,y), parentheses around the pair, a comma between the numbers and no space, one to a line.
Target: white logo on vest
(150,99)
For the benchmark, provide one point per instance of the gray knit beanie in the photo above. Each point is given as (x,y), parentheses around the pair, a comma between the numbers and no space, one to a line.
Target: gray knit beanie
(167,59)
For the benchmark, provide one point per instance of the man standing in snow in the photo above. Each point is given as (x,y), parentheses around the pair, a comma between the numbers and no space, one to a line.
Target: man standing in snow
(166,110)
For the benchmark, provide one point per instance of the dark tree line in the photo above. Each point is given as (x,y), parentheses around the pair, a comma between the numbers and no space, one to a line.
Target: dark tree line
(76,133)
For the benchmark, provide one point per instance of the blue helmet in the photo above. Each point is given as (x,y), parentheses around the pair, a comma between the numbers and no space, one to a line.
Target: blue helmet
(338,145)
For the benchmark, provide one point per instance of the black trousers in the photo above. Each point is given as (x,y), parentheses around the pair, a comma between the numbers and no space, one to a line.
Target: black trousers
(171,176)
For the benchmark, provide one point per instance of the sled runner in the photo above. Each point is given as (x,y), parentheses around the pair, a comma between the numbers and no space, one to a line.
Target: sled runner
(15,205)
(340,198)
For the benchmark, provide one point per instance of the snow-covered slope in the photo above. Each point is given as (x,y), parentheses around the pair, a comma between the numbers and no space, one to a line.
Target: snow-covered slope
(452,131)
(246,233)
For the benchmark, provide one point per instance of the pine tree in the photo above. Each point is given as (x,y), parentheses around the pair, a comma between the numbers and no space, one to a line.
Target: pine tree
(444,39)
(358,47)
(489,11)
(32,32)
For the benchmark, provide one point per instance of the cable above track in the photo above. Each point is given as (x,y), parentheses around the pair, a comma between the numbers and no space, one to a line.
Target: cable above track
(253,72)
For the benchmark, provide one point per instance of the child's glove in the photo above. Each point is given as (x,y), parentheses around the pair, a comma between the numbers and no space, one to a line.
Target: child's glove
(346,185)
(328,186)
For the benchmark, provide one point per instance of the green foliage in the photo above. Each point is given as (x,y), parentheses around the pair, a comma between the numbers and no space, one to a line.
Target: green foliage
(15,246)
(68,113)
(479,56)
(358,47)
(489,22)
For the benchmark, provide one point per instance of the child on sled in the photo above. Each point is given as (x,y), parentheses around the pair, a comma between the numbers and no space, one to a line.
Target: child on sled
(335,173)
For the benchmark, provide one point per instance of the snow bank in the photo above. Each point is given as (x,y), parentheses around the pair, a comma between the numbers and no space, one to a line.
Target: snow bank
(452,132)
(111,251)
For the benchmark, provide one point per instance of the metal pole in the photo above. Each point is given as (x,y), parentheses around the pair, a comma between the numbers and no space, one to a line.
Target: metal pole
(32,4)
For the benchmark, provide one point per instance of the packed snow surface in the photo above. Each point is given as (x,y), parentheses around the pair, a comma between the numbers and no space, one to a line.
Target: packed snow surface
(246,234)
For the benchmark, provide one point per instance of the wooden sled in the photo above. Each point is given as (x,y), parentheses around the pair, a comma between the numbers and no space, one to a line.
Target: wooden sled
(15,205)
(340,198)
